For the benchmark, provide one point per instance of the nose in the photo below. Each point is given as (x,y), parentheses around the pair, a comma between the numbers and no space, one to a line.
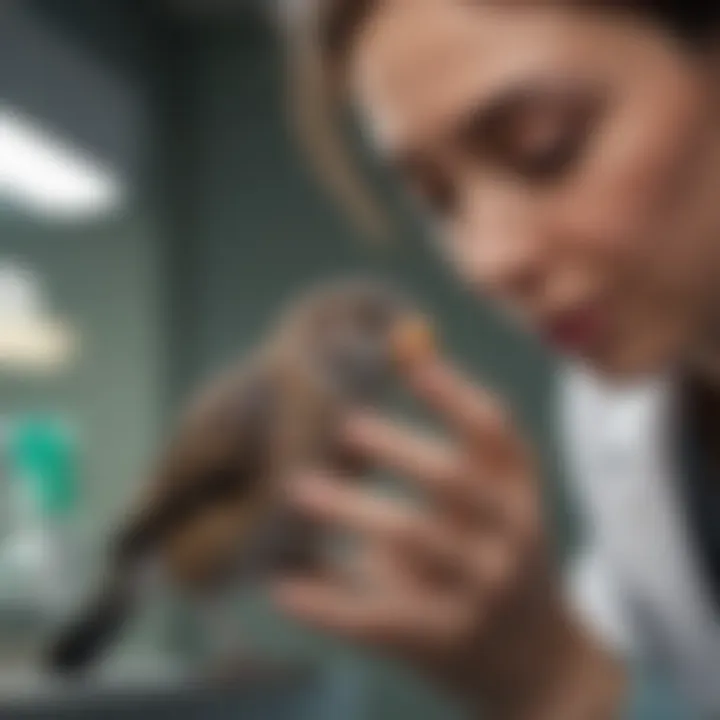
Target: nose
(499,244)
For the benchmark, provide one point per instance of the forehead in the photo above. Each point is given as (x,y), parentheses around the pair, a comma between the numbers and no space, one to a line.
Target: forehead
(415,61)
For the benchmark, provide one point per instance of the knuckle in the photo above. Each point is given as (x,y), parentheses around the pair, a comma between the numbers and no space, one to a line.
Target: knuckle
(464,622)
(494,419)
(412,530)
(457,472)
(528,525)
(457,624)
(464,619)
(492,568)
(498,415)
(530,542)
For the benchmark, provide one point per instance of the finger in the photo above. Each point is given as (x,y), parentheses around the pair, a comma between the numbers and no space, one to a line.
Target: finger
(435,466)
(377,569)
(472,412)
(332,608)
(423,538)
(455,483)
(510,507)
(409,623)
(497,556)
(490,564)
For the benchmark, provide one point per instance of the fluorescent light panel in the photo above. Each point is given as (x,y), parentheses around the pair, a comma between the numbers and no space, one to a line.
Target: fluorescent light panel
(47,176)
(36,345)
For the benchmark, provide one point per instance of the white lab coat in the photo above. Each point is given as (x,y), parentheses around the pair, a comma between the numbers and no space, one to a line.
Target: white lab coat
(638,582)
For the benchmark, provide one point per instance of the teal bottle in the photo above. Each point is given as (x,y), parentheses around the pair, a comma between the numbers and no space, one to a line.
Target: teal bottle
(42,455)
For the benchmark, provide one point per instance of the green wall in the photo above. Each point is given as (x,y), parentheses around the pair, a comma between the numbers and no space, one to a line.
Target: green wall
(106,280)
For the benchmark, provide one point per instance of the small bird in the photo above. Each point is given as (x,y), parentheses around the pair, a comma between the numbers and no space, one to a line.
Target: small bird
(213,514)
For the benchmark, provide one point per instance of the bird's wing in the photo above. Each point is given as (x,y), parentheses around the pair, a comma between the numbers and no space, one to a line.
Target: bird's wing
(219,451)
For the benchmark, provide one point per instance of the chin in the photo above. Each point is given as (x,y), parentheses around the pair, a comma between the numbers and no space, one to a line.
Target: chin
(628,363)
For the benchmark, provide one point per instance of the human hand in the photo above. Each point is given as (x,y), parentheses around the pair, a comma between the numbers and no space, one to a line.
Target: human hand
(463,588)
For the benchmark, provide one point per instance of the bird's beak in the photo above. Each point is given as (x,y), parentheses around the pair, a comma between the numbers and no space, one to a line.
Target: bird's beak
(412,341)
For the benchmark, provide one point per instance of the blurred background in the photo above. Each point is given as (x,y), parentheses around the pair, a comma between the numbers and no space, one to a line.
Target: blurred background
(154,213)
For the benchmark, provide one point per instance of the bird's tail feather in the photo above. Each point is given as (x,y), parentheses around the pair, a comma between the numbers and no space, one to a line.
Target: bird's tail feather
(83,640)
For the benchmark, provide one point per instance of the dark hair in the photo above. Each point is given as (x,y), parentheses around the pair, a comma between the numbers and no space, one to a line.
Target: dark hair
(319,41)
(693,21)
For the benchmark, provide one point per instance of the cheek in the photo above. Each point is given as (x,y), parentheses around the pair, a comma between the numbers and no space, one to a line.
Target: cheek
(631,199)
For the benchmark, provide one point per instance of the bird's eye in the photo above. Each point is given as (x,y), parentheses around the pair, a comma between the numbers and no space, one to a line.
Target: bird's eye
(373,318)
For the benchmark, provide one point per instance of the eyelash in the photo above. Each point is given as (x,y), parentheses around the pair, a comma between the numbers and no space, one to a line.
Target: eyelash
(551,162)
(554,159)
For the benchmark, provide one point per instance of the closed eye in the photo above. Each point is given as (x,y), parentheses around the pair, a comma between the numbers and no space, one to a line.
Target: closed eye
(536,133)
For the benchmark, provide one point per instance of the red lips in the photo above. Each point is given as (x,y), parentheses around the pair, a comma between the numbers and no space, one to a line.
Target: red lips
(574,331)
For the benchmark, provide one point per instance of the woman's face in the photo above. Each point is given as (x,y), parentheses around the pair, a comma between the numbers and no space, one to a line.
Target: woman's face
(569,160)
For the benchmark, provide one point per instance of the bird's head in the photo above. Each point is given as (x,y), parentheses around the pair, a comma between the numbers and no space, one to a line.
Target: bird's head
(356,334)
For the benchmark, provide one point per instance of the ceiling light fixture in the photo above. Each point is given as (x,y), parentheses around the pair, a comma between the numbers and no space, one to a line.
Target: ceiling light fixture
(45,175)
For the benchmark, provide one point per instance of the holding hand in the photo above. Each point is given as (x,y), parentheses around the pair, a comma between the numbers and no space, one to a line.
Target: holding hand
(463,589)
